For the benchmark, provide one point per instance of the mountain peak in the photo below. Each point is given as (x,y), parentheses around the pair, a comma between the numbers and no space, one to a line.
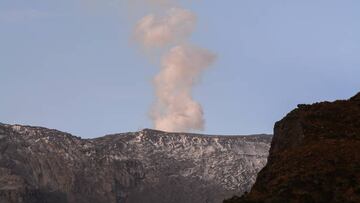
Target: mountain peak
(314,156)
(149,130)
(356,97)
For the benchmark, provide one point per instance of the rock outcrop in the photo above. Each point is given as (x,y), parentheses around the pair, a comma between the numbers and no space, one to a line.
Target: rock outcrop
(314,156)
(44,165)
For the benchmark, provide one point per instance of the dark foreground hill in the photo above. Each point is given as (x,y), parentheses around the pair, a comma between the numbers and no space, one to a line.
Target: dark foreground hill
(314,156)
(39,165)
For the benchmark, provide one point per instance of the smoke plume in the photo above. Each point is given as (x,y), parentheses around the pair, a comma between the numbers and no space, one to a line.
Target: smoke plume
(174,108)
(174,27)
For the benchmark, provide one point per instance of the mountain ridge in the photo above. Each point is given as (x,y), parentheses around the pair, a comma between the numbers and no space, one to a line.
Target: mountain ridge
(141,130)
(47,165)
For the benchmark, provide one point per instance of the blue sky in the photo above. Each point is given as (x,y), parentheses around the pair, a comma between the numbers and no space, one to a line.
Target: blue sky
(72,65)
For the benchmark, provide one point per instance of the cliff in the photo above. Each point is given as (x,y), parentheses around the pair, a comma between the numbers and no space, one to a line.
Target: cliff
(44,165)
(314,156)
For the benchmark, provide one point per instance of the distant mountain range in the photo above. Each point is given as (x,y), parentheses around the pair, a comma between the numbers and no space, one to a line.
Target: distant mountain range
(48,166)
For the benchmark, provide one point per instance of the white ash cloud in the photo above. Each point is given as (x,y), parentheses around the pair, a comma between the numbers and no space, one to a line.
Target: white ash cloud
(175,109)
(170,25)
(175,26)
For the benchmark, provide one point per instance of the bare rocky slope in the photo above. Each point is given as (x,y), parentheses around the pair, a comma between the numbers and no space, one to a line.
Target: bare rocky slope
(314,156)
(49,166)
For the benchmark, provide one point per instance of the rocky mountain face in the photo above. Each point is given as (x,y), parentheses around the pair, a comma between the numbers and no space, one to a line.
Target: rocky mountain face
(44,165)
(314,156)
